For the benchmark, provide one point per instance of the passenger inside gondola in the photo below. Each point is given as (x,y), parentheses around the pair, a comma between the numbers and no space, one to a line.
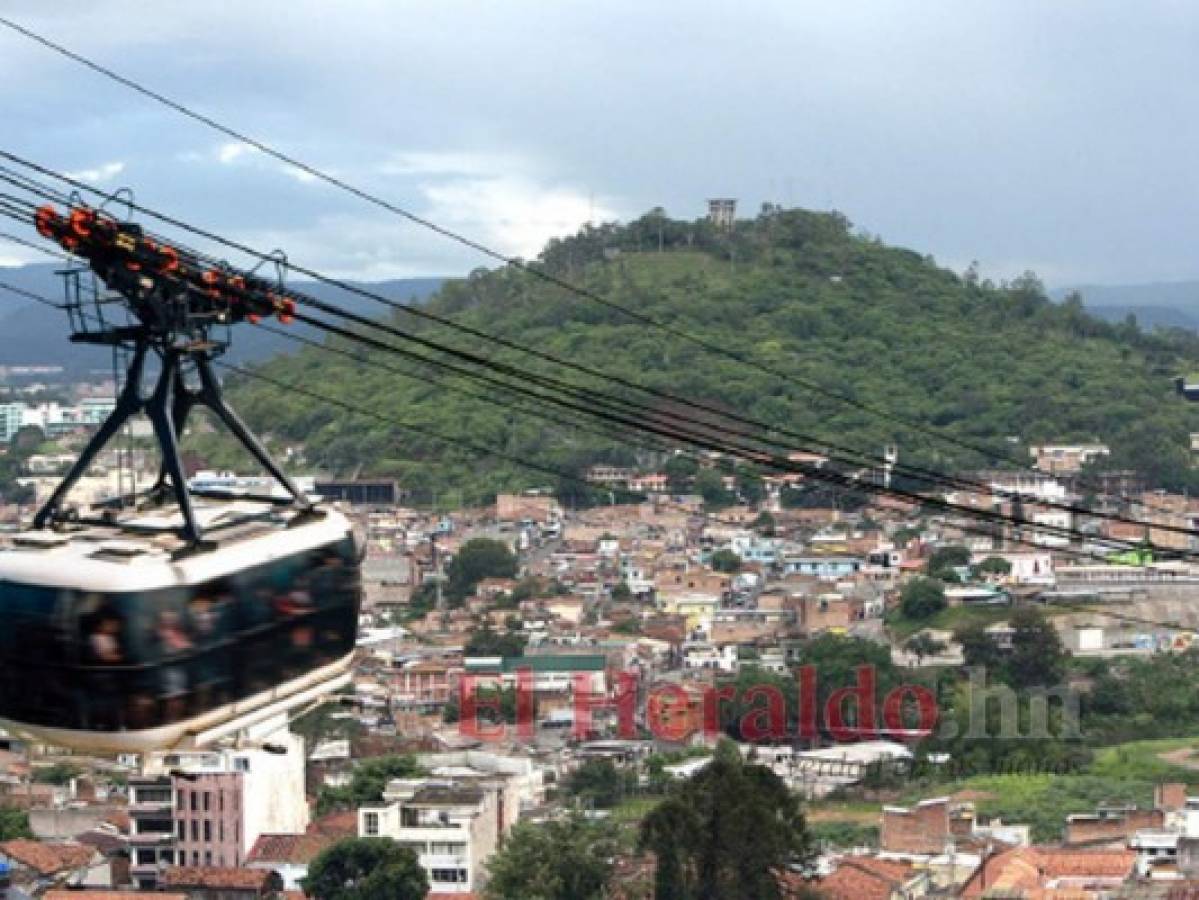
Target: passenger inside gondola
(104,649)
(209,673)
(141,660)
(173,644)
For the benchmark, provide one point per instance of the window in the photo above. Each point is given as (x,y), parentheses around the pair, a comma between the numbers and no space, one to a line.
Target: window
(207,830)
(449,876)
(193,800)
(220,827)
(447,848)
(195,831)
(207,801)
(145,857)
(241,764)
(220,801)
(370,824)
(195,857)
(152,795)
(179,799)
(208,857)
(182,830)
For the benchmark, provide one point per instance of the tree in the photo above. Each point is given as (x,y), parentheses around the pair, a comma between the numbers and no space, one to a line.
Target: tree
(621,591)
(323,723)
(477,559)
(765,523)
(14,823)
(485,697)
(58,773)
(680,471)
(729,831)
(725,560)
(979,649)
(922,598)
(569,859)
(994,565)
(922,645)
(369,868)
(709,484)
(366,785)
(487,642)
(750,488)
(1038,658)
(599,783)
(946,559)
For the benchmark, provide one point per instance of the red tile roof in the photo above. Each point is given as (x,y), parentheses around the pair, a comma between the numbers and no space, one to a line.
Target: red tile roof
(337,824)
(218,877)
(288,848)
(47,859)
(865,878)
(1028,868)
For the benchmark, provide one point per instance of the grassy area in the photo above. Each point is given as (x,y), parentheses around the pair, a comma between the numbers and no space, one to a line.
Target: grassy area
(844,834)
(954,617)
(859,811)
(1121,774)
(633,810)
(1143,760)
(1044,801)
(946,620)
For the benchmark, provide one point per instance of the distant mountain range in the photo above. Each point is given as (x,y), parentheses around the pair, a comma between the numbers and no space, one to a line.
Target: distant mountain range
(1172,304)
(34,334)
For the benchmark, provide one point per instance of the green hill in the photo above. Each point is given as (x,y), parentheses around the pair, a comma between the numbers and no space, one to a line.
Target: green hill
(797,290)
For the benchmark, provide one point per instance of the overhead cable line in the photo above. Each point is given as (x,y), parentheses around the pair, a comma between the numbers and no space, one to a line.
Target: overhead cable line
(424,222)
(525,463)
(916,473)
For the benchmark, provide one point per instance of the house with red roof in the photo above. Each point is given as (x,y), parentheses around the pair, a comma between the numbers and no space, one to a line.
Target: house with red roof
(36,866)
(288,855)
(867,878)
(1042,873)
(222,882)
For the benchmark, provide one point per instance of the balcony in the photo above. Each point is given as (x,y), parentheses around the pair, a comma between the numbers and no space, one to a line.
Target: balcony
(151,808)
(152,838)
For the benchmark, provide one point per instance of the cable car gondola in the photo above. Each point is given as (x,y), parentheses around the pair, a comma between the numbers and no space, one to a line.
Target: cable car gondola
(174,617)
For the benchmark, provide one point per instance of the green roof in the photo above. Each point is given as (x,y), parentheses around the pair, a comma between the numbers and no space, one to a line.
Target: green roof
(558,662)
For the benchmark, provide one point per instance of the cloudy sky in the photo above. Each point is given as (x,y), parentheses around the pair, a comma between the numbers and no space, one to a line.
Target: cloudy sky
(1053,135)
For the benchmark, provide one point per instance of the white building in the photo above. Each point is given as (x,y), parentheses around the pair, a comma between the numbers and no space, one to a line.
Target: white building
(521,778)
(454,828)
(53,419)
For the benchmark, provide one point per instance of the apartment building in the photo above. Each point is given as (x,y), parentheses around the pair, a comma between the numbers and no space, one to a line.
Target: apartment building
(454,827)
(208,807)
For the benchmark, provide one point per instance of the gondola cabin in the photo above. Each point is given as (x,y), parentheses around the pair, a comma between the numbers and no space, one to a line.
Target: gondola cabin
(123,637)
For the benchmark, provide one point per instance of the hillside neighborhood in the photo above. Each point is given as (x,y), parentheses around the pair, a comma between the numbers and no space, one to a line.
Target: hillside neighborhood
(524,662)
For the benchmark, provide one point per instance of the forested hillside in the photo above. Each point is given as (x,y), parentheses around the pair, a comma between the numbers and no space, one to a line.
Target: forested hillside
(997,365)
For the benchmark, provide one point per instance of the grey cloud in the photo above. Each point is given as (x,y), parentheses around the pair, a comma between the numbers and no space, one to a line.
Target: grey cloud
(1057,136)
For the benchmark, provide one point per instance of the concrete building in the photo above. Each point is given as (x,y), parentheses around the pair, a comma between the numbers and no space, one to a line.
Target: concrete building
(454,829)
(1065,459)
(53,419)
(207,808)
(722,212)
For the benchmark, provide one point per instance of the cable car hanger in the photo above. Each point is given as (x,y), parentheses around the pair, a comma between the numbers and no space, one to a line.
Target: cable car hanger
(175,302)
